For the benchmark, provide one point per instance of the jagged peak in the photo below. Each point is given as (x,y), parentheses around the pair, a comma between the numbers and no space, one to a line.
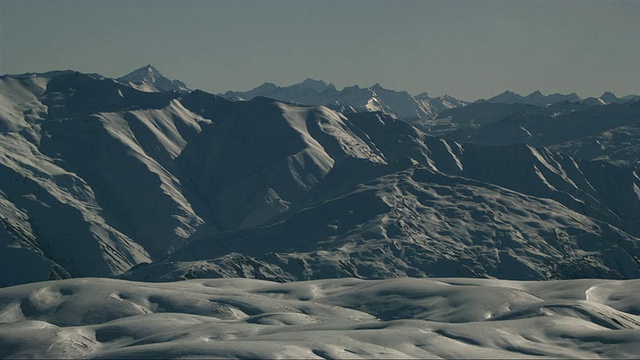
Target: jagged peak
(266,87)
(145,73)
(508,92)
(449,97)
(312,84)
(536,94)
(149,68)
(148,78)
(507,96)
(351,88)
(310,81)
(609,97)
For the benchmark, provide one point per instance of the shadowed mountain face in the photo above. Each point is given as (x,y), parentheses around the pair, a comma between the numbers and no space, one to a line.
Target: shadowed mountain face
(97,177)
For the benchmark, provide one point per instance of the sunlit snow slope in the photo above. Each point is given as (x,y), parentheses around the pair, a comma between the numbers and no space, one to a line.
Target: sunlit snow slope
(337,318)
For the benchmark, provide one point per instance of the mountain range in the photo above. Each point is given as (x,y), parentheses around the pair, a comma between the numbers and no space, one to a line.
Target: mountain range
(142,219)
(98,178)
(537,98)
(401,104)
(354,98)
(351,99)
(605,131)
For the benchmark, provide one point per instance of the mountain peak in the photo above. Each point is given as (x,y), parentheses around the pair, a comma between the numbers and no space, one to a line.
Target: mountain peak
(312,84)
(145,73)
(609,97)
(536,94)
(149,79)
(508,93)
(507,97)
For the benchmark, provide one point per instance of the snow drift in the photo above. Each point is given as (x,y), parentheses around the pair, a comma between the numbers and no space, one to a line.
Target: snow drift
(337,318)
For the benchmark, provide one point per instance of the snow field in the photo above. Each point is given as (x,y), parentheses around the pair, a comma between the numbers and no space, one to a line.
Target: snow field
(334,318)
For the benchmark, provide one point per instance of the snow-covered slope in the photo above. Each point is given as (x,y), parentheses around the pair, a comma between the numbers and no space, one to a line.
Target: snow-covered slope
(149,79)
(337,318)
(261,157)
(602,132)
(96,177)
(415,222)
(432,216)
(354,99)
(79,172)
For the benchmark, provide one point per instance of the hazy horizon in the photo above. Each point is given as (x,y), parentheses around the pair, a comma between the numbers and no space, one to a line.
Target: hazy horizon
(467,49)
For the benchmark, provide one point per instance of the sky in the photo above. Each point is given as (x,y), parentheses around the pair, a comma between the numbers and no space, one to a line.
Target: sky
(469,49)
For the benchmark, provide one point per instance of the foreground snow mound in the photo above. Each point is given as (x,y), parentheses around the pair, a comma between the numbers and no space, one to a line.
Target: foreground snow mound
(339,318)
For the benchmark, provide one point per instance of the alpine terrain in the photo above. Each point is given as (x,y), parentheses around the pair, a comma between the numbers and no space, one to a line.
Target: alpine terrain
(603,128)
(354,99)
(330,204)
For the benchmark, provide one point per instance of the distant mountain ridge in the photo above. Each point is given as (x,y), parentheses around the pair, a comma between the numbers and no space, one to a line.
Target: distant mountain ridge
(401,104)
(537,98)
(353,98)
(587,129)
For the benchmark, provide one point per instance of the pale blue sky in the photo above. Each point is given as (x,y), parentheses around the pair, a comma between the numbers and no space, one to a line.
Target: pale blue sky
(470,49)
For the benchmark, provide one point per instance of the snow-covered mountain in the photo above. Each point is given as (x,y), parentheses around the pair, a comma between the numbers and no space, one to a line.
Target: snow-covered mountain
(354,99)
(330,319)
(97,177)
(607,132)
(149,79)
